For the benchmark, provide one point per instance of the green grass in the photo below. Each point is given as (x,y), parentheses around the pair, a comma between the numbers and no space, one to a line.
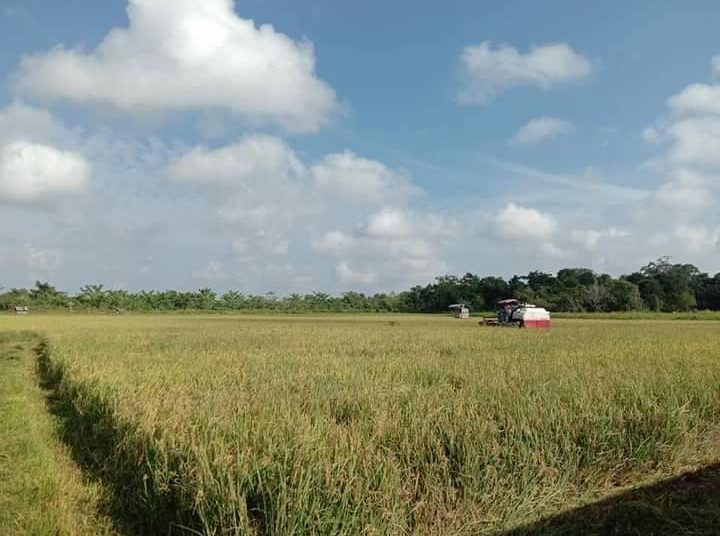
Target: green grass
(41,491)
(376,424)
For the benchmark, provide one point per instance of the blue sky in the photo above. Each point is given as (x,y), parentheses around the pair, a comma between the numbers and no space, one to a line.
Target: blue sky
(361,145)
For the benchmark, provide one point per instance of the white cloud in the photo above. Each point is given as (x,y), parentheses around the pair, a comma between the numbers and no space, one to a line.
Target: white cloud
(270,199)
(188,55)
(591,238)
(541,129)
(516,222)
(353,277)
(390,223)
(698,238)
(34,166)
(696,99)
(696,140)
(491,71)
(353,178)
(32,172)
(396,223)
(692,130)
(397,245)
(20,122)
(687,190)
(252,160)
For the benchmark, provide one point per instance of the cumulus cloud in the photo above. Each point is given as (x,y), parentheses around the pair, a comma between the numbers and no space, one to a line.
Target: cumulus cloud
(516,222)
(354,277)
(32,172)
(692,131)
(696,99)
(390,223)
(20,122)
(188,55)
(353,178)
(270,199)
(400,244)
(490,71)
(541,129)
(253,159)
(39,162)
(696,140)
(262,162)
(687,189)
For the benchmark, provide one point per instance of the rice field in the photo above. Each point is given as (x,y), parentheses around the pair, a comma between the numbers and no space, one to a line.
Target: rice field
(374,425)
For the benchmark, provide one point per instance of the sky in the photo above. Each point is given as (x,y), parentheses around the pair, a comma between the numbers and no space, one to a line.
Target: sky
(316,145)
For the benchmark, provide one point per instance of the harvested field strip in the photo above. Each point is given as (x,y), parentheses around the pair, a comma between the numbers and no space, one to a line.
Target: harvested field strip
(42,492)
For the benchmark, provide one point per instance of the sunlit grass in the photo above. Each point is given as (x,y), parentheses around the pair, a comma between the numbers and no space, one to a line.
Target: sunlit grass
(377,425)
(41,491)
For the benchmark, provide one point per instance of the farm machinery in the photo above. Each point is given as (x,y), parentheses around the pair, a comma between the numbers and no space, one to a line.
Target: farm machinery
(516,314)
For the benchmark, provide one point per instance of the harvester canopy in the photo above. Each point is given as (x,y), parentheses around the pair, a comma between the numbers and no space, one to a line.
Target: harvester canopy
(512,312)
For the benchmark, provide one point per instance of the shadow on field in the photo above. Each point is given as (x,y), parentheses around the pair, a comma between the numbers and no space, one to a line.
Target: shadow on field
(685,505)
(102,448)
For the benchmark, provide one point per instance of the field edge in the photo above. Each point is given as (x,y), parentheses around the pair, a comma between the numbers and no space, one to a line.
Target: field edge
(44,491)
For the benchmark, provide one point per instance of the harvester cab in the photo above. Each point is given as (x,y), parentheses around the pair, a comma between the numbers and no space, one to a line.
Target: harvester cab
(513,313)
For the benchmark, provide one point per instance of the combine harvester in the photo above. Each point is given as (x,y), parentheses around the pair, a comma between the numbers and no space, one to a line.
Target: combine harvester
(514,314)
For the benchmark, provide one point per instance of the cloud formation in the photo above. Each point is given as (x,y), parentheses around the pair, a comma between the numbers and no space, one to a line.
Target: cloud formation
(348,176)
(188,55)
(20,122)
(402,246)
(516,222)
(691,163)
(541,129)
(489,71)
(253,159)
(696,99)
(31,172)
(34,166)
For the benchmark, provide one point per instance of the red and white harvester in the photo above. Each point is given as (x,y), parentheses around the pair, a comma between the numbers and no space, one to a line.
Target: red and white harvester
(513,313)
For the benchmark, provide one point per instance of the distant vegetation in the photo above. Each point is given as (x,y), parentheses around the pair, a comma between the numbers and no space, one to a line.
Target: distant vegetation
(659,286)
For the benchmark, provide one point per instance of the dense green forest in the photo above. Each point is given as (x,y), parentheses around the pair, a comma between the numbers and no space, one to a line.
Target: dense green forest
(659,286)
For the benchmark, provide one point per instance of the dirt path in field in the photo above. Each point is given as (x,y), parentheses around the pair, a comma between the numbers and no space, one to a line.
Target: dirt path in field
(42,491)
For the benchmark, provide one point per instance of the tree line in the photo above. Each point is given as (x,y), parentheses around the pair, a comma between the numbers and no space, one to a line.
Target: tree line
(659,286)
